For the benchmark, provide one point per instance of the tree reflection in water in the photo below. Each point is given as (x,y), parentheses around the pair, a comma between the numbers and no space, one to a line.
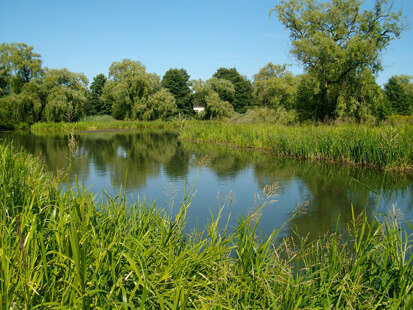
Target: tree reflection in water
(132,158)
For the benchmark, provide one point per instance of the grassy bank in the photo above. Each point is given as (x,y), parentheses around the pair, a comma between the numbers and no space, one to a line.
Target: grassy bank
(100,123)
(67,250)
(387,147)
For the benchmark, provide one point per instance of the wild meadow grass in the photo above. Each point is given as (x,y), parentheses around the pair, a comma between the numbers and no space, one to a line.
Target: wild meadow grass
(386,146)
(71,250)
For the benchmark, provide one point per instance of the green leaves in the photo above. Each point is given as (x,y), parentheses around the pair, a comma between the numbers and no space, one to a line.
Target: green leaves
(128,89)
(18,65)
(399,92)
(177,82)
(338,42)
(242,86)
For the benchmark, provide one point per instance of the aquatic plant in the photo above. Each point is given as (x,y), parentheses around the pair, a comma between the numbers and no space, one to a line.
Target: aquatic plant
(387,147)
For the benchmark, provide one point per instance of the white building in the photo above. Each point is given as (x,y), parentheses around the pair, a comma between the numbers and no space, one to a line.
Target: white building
(199,109)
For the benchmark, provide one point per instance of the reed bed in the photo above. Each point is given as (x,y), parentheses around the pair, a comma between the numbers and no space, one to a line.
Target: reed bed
(386,147)
(71,250)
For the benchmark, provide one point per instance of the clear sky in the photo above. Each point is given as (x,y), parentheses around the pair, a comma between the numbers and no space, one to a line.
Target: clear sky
(198,35)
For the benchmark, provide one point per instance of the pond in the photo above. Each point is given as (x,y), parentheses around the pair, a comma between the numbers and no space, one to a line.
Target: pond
(155,165)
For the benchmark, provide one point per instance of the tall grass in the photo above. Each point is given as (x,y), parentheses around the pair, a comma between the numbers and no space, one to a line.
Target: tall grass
(72,250)
(386,146)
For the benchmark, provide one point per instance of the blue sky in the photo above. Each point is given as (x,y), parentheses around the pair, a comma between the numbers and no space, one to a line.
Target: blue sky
(198,35)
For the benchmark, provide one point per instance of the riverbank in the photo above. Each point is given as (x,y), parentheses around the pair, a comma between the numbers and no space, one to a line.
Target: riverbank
(98,125)
(69,250)
(385,147)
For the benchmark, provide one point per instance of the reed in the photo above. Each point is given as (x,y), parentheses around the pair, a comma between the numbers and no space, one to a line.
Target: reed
(386,147)
(69,249)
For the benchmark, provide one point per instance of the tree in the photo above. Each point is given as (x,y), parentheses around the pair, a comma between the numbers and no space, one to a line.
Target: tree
(216,108)
(176,81)
(212,95)
(159,105)
(67,95)
(96,104)
(399,92)
(336,40)
(59,95)
(18,65)
(274,86)
(243,88)
(127,86)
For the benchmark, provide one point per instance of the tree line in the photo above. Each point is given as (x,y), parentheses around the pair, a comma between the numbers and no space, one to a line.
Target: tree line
(338,44)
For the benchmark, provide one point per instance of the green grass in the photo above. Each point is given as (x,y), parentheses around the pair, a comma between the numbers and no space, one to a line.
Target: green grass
(387,147)
(100,123)
(71,250)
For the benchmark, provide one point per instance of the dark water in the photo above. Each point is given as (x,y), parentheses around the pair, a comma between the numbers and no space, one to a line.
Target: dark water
(155,165)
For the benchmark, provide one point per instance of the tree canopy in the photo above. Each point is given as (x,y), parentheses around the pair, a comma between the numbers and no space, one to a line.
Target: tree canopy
(177,82)
(275,86)
(127,85)
(337,41)
(243,89)
(399,92)
(96,104)
(213,94)
(18,65)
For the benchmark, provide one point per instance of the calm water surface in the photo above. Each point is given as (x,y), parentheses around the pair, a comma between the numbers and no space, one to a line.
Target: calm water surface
(155,165)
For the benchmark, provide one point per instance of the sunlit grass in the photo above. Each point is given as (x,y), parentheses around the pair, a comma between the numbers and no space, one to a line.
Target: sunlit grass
(387,147)
(99,123)
(72,250)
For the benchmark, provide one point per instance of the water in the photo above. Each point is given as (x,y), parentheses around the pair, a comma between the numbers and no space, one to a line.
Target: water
(154,165)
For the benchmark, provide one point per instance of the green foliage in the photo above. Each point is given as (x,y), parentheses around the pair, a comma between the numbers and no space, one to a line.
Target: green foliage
(18,66)
(216,108)
(274,87)
(177,82)
(224,88)
(96,105)
(212,95)
(159,105)
(59,95)
(31,94)
(399,92)
(128,85)
(337,42)
(362,99)
(67,95)
(308,98)
(385,147)
(73,250)
(264,115)
(242,86)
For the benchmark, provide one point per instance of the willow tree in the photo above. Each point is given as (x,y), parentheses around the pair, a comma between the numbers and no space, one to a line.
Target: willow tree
(19,64)
(128,84)
(337,40)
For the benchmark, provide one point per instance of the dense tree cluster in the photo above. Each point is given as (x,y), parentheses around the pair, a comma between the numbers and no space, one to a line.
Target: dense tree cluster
(338,44)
